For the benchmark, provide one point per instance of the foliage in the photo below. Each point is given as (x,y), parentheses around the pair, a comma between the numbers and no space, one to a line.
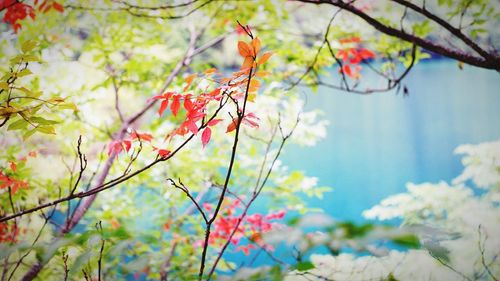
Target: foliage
(142,140)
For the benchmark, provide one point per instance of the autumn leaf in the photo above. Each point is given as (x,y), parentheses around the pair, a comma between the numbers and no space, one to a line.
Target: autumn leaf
(247,63)
(366,54)
(163,152)
(175,105)
(205,136)
(188,104)
(213,122)
(232,126)
(254,85)
(58,7)
(262,73)
(189,80)
(353,39)
(163,106)
(265,57)
(346,69)
(215,92)
(191,125)
(210,71)
(256,45)
(13,166)
(142,137)
(244,49)
(127,144)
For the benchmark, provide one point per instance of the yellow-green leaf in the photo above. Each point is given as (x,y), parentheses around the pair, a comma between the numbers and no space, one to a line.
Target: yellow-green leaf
(24,72)
(28,46)
(46,130)
(19,124)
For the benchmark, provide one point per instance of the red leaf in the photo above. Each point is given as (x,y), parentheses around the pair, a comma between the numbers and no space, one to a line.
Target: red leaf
(58,7)
(240,30)
(343,54)
(251,123)
(192,127)
(215,92)
(114,148)
(346,69)
(175,105)
(188,104)
(163,152)
(205,137)
(142,137)
(213,122)
(163,106)
(251,115)
(366,54)
(127,144)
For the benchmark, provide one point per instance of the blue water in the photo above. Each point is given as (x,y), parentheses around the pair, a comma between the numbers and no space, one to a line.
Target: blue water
(378,143)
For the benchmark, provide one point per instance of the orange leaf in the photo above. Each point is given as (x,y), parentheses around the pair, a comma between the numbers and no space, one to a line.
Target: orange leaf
(262,73)
(256,45)
(265,56)
(244,49)
(115,224)
(13,166)
(254,85)
(353,39)
(189,80)
(210,71)
(232,126)
(247,63)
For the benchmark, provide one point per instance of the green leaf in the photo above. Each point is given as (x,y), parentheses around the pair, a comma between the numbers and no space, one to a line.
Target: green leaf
(43,121)
(28,46)
(4,85)
(28,134)
(19,124)
(46,130)
(408,240)
(24,72)
(28,58)
(306,265)
(68,105)
(25,90)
